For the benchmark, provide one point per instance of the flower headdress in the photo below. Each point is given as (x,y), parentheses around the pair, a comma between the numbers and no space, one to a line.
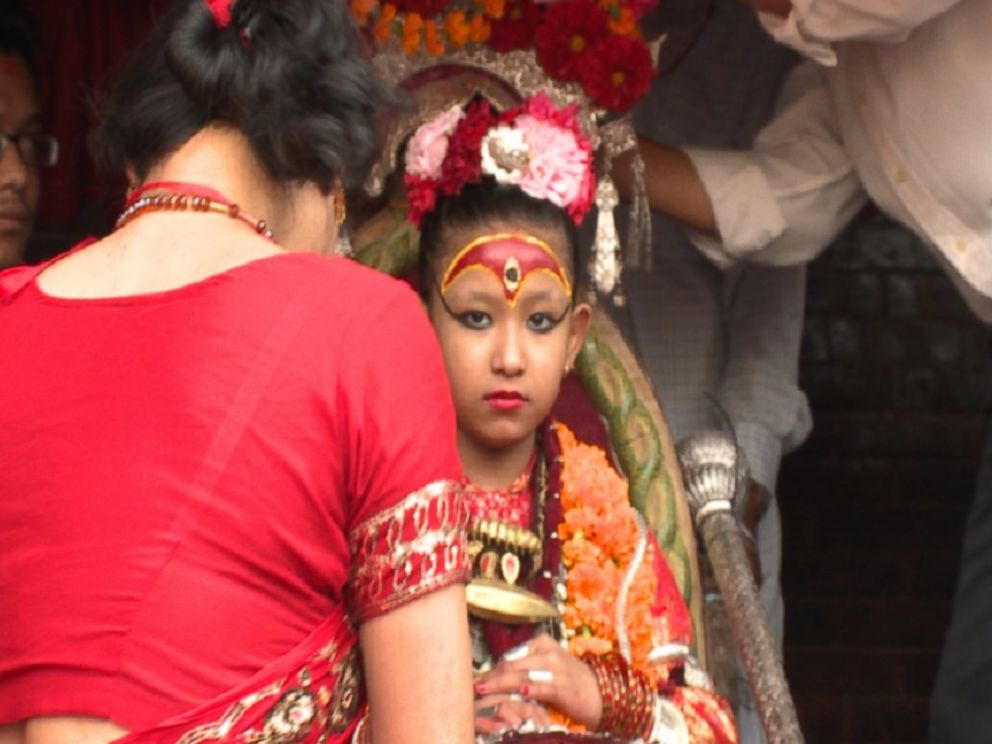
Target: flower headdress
(536,147)
(587,59)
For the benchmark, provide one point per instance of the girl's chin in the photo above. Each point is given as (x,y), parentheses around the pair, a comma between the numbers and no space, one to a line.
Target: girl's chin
(502,437)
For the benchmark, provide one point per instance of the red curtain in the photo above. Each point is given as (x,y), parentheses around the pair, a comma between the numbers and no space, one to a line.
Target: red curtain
(84,44)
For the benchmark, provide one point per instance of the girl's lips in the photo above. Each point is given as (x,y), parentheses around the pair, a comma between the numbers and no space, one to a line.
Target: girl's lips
(505,400)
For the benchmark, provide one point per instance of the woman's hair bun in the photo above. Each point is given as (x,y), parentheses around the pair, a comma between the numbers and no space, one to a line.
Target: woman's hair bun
(292,75)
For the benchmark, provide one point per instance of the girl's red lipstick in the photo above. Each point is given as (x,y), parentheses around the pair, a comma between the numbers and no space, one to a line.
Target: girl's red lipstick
(505,400)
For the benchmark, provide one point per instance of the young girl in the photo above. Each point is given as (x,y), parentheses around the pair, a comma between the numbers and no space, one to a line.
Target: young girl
(577,623)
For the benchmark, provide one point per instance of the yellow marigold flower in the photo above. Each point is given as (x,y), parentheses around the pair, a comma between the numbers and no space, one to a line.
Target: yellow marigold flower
(413,24)
(457,28)
(384,25)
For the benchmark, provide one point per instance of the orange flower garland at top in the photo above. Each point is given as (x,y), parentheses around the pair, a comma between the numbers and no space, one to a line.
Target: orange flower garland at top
(596,43)
(599,534)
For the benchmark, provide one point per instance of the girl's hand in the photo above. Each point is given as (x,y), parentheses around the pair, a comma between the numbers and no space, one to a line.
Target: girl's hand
(495,713)
(542,670)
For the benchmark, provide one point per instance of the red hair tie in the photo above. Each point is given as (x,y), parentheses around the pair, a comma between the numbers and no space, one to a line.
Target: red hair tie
(221,11)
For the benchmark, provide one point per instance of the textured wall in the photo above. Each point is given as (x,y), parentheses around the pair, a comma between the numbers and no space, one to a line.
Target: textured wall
(899,376)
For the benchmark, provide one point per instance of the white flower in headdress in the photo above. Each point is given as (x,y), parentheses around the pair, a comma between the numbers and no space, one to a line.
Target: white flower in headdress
(505,154)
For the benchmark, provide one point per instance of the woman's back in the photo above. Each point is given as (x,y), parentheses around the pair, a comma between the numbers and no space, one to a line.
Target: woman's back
(187,477)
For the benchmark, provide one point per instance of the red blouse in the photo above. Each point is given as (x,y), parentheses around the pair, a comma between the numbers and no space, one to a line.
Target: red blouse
(193,479)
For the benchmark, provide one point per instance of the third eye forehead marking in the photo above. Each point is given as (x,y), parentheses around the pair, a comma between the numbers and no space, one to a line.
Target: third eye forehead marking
(511,258)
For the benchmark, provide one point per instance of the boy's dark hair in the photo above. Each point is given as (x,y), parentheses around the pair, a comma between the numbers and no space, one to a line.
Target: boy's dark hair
(482,202)
(19,34)
(291,75)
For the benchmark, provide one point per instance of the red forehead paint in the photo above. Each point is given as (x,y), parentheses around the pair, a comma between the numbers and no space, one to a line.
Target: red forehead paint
(512,258)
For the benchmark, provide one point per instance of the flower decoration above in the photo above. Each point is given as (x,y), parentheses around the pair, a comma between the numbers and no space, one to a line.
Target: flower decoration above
(536,147)
(595,43)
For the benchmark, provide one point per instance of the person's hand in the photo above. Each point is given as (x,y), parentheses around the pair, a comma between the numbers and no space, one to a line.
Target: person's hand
(541,670)
(495,713)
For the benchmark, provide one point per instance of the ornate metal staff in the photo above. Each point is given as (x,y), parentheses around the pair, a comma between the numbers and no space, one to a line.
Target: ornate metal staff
(713,472)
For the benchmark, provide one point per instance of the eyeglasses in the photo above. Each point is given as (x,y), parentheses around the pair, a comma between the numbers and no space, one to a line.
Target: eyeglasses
(35,150)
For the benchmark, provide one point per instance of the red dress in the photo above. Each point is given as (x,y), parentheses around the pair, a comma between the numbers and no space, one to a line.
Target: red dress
(203,487)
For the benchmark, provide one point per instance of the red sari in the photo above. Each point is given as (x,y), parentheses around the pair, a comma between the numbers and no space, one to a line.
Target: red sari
(206,490)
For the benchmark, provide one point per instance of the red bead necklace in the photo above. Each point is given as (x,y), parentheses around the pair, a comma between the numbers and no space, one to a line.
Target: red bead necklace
(185,196)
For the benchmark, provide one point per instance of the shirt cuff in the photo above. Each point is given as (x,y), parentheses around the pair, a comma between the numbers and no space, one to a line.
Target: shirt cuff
(747,213)
(789,31)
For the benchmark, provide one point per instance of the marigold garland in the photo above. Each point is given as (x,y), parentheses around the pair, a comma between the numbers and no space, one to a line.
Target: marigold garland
(599,534)
(596,43)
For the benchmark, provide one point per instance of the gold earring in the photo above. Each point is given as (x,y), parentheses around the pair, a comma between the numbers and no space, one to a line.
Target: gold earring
(340,208)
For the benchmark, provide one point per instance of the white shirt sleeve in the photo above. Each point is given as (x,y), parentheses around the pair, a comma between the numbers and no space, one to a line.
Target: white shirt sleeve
(814,26)
(783,201)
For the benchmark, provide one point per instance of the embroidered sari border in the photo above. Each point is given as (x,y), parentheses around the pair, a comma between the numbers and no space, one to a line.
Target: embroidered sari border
(416,546)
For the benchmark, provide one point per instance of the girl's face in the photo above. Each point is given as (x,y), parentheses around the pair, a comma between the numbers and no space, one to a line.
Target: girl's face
(508,328)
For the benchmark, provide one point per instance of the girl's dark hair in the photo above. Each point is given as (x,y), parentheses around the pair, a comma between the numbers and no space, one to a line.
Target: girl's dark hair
(483,202)
(291,75)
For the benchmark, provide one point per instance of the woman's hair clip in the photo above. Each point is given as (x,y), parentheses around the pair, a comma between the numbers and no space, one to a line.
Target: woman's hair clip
(221,11)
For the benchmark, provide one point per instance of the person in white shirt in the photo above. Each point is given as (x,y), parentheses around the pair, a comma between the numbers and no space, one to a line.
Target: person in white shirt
(706,335)
(894,104)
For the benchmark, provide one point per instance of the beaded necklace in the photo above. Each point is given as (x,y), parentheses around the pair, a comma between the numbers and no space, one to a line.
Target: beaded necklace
(186,196)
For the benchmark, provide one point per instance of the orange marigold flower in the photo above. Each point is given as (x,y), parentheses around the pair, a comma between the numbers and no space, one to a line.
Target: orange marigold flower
(479,29)
(624,23)
(361,9)
(574,552)
(384,25)
(457,28)
(432,39)
(413,24)
(494,8)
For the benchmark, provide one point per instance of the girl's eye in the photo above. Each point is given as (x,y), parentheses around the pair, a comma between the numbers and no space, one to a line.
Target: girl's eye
(543,322)
(475,320)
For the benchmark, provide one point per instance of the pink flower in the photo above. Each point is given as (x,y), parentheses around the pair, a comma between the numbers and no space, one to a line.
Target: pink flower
(429,144)
(559,165)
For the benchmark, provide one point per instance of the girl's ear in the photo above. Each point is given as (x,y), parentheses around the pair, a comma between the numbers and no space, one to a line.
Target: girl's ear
(581,319)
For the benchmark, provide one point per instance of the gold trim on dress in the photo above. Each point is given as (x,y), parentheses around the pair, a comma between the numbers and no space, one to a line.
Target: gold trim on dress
(414,547)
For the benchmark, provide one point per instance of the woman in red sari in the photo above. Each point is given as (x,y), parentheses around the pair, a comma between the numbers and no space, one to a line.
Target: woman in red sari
(230,507)
(578,627)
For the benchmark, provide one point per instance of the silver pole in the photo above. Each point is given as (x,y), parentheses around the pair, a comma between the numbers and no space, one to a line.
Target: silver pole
(713,474)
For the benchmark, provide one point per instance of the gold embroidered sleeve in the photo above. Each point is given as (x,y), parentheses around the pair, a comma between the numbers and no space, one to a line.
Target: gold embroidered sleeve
(415,547)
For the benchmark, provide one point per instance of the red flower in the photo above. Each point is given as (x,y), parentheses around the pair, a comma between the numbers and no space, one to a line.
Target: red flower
(566,35)
(618,72)
(515,30)
(463,161)
(424,8)
(421,197)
